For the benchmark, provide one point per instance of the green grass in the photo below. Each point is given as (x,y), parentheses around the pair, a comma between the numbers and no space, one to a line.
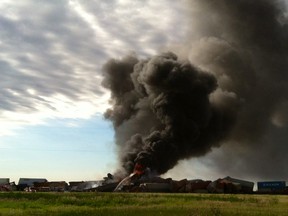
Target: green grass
(141,204)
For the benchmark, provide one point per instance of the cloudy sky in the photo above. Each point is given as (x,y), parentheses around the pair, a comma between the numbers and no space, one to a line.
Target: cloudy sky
(51,99)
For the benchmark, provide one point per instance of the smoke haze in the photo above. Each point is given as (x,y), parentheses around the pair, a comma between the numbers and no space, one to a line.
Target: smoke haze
(232,92)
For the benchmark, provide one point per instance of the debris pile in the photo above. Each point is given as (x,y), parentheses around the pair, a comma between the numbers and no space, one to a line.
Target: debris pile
(55,186)
(7,187)
(144,182)
(5,184)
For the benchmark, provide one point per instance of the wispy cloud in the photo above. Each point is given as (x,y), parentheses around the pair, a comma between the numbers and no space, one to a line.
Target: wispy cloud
(52,53)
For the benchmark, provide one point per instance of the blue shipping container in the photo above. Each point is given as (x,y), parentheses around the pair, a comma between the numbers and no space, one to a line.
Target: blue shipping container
(273,185)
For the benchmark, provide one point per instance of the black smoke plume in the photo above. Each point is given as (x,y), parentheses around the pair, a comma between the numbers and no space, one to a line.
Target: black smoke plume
(245,44)
(233,90)
(162,112)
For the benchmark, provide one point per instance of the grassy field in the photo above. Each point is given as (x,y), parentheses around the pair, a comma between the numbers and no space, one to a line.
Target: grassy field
(140,204)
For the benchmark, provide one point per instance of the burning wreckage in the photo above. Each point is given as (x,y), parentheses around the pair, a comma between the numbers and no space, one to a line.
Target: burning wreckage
(142,180)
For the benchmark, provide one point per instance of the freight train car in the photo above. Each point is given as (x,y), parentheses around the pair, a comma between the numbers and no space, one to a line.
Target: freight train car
(271,186)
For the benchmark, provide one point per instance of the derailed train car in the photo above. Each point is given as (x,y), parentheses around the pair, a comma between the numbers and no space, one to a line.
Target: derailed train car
(231,185)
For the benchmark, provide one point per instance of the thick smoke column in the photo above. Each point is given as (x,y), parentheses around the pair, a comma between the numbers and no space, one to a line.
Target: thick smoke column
(233,90)
(162,111)
(245,44)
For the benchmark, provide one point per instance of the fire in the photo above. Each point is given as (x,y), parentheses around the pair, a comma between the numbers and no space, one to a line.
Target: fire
(139,169)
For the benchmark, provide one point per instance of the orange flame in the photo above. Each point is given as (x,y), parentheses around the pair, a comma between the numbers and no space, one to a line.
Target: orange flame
(139,169)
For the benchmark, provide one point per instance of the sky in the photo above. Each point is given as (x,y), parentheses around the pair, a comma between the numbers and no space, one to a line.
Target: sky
(51,59)
(51,99)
